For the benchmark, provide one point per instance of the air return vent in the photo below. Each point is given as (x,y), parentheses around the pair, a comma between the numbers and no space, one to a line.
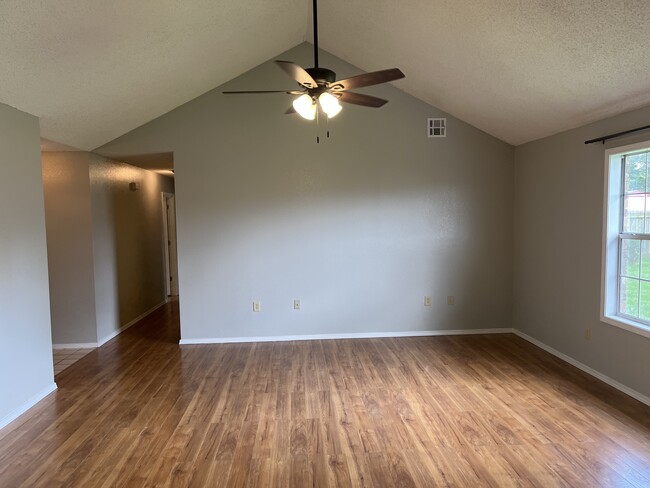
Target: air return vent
(437,127)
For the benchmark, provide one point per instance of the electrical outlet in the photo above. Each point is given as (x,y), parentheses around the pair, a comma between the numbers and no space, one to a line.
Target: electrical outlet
(587,333)
(427,301)
(451,300)
(296,304)
(257,306)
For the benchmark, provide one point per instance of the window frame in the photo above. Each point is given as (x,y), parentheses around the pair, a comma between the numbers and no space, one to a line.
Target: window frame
(613,236)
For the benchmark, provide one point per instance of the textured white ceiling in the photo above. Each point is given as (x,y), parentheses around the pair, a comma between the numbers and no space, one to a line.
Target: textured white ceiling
(96,69)
(518,69)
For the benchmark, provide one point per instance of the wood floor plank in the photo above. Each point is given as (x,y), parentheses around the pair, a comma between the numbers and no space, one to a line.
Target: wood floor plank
(484,410)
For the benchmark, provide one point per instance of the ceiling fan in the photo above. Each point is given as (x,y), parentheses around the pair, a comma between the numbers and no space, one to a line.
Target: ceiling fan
(319,86)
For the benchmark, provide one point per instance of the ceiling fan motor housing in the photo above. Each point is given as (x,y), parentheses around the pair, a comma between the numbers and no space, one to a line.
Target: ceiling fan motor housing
(322,75)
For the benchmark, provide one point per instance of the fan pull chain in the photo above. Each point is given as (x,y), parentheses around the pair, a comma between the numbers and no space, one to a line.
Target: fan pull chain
(317,127)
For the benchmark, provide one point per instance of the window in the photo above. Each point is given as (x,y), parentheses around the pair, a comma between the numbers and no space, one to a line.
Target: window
(626,239)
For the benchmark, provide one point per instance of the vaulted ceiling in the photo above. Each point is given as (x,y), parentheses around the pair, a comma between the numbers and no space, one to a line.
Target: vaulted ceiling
(518,69)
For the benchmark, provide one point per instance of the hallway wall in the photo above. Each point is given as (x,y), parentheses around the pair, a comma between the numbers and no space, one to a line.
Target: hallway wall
(68,222)
(26,371)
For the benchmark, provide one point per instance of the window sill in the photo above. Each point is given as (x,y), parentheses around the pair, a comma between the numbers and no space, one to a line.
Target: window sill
(627,324)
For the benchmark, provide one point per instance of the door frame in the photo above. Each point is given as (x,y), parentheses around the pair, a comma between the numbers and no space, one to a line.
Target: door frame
(168,201)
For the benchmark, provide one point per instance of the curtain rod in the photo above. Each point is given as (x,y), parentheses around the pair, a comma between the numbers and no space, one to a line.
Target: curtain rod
(618,134)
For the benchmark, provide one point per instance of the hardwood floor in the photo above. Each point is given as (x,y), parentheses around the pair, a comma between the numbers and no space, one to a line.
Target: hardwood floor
(463,411)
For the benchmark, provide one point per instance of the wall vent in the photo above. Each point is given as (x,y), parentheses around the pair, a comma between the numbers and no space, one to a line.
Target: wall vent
(437,127)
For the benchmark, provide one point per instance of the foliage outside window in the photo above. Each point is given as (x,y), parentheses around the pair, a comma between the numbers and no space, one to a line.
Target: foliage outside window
(634,273)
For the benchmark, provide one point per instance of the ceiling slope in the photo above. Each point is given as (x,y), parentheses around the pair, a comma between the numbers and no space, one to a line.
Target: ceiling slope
(93,70)
(519,70)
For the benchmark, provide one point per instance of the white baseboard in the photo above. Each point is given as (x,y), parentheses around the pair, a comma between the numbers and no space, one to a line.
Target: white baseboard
(27,405)
(104,340)
(606,379)
(354,335)
(81,345)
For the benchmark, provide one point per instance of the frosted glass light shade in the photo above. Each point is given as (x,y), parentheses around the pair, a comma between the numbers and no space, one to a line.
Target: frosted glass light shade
(330,104)
(305,106)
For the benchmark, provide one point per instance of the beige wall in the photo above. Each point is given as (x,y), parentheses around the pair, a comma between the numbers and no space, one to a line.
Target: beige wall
(69,247)
(127,235)
(359,228)
(558,249)
(26,372)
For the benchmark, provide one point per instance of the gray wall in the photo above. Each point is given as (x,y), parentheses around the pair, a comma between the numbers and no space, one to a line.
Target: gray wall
(69,247)
(127,236)
(558,249)
(359,228)
(26,371)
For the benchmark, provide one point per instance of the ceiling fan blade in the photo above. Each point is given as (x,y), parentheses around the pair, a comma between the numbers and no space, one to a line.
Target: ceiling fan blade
(368,79)
(360,99)
(297,73)
(288,92)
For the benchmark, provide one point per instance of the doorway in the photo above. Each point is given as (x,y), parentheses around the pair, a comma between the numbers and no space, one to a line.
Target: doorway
(169,244)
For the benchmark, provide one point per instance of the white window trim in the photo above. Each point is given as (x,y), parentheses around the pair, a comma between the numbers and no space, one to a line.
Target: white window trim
(611,228)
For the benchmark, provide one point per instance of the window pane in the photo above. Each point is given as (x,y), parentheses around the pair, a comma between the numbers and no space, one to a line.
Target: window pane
(630,257)
(634,213)
(644,304)
(629,300)
(645,260)
(635,173)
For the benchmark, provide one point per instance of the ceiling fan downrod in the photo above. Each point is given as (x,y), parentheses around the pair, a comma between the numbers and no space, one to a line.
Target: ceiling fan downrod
(315,20)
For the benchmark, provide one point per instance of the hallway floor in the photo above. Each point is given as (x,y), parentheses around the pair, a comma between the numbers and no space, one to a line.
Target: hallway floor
(67,357)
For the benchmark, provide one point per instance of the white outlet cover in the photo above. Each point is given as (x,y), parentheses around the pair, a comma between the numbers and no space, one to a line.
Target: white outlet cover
(296,304)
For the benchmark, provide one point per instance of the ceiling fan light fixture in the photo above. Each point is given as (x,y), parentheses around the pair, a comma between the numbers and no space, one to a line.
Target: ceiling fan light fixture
(320,90)
(330,104)
(305,106)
